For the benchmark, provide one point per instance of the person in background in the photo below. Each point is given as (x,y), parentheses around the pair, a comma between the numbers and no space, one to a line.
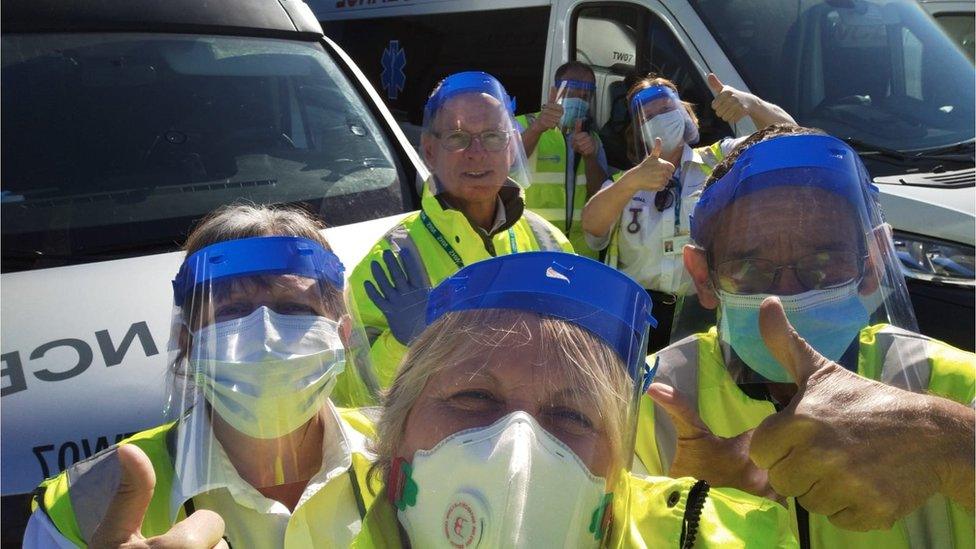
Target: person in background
(641,216)
(510,423)
(472,208)
(567,163)
(255,454)
(814,385)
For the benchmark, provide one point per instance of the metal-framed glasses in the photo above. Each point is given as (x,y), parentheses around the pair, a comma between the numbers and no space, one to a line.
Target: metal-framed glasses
(817,271)
(459,140)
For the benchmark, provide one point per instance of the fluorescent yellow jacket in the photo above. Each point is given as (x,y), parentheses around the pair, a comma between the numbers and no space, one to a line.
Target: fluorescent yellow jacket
(546,195)
(76,499)
(657,515)
(527,230)
(695,364)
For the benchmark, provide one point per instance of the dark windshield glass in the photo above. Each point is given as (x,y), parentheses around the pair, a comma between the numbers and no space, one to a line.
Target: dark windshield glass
(879,71)
(113,145)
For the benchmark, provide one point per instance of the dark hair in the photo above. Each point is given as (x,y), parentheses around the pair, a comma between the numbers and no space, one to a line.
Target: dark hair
(574,66)
(769,132)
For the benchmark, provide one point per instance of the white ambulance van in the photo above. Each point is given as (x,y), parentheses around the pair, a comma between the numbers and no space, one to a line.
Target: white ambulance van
(124,122)
(879,73)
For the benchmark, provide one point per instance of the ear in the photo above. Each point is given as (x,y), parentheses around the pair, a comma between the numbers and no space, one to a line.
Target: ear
(428,148)
(874,265)
(345,331)
(696,264)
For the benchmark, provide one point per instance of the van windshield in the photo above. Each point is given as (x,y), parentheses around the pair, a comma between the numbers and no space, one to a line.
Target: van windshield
(880,72)
(115,144)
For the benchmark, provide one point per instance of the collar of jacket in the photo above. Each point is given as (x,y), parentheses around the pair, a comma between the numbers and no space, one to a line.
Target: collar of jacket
(447,218)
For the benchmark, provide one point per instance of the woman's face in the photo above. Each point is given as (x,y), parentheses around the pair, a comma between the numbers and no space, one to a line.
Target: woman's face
(504,377)
(283,294)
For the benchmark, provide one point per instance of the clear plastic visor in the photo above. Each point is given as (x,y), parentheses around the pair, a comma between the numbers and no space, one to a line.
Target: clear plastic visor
(578,100)
(657,113)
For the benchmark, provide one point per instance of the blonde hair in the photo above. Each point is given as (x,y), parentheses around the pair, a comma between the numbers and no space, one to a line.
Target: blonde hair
(590,364)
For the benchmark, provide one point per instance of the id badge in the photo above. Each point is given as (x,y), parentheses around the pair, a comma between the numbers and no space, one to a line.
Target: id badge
(672,252)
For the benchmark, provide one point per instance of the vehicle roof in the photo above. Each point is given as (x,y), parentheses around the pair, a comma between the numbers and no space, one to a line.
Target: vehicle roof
(245,17)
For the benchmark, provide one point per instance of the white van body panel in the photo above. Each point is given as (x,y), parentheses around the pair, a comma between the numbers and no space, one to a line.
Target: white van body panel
(69,322)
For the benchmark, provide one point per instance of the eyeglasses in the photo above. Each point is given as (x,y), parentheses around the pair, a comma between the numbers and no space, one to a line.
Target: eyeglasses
(459,140)
(665,198)
(817,271)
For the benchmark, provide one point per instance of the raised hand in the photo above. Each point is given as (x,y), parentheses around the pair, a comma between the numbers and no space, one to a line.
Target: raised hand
(653,173)
(550,115)
(701,454)
(583,142)
(729,104)
(402,296)
(121,525)
(860,452)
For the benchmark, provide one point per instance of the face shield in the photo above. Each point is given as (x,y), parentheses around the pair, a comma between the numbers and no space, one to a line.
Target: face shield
(577,98)
(795,217)
(257,344)
(470,139)
(528,423)
(657,112)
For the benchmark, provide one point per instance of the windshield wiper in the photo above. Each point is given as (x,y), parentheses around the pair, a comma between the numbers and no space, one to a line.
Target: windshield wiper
(894,156)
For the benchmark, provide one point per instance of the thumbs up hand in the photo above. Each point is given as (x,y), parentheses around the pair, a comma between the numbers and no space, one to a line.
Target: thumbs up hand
(862,453)
(583,142)
(121,525)
(550,115)
(652,174)
(701,454)
(729,104)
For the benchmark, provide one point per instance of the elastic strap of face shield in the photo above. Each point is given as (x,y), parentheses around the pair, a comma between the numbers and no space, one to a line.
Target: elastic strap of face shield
(263,255)
(576,289)
(467,82)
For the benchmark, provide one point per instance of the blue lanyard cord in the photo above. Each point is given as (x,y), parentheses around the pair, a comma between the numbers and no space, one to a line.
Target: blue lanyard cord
(451,252)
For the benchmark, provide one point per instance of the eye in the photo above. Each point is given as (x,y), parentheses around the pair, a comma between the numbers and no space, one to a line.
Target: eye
(230,311)
(473,399)
(569,419)
(294,308)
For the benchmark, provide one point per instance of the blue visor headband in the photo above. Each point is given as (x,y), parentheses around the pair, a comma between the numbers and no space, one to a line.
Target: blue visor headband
(263,255)
(576,85)
(467,82)
(653,93)
(569,287)
(818,161)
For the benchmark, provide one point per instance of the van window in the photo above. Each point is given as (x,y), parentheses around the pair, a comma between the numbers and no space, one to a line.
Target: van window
(878,71)
(960,27)
(405,56)
(114,144)
(624,43)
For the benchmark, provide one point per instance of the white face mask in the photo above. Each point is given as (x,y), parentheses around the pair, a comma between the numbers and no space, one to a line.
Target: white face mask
(669,126)
(511,484)
(267,374)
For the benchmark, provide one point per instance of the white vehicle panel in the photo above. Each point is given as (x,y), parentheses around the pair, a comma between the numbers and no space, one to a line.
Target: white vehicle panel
(86,364)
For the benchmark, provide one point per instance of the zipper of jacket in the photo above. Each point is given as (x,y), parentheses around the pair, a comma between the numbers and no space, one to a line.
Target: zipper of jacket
(693,510)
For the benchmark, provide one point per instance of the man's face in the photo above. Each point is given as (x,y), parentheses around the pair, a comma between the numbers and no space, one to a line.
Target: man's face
(783,226)
(579,76)
(472,175)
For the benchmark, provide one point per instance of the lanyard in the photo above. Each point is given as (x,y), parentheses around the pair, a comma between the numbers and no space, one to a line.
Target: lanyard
(677,202)
(451,252)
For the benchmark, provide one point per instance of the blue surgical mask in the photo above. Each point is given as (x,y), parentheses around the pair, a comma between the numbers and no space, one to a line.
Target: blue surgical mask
(829,320)
(574,109)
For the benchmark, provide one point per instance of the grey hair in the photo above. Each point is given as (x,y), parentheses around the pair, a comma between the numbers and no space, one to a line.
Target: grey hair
(591,365)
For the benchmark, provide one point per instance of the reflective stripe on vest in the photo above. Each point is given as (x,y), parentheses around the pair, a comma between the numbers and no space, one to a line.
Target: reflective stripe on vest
(544,238)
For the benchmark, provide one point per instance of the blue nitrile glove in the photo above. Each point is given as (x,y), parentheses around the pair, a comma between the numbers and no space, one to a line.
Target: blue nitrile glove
(402,296)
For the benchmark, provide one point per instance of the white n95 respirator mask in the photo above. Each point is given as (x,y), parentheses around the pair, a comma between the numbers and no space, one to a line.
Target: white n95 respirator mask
(267,374)
(511,484)
(669,126)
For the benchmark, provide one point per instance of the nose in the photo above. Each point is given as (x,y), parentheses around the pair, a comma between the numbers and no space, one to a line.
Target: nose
(786,282)
(475,148)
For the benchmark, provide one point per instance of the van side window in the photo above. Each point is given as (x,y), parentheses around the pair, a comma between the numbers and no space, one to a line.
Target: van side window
(623,43)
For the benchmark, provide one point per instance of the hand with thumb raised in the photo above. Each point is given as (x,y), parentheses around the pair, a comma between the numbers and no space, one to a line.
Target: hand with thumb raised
(122,523)
(730,104)
(583,142)
(701,454)
(857,451)
(653,173)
